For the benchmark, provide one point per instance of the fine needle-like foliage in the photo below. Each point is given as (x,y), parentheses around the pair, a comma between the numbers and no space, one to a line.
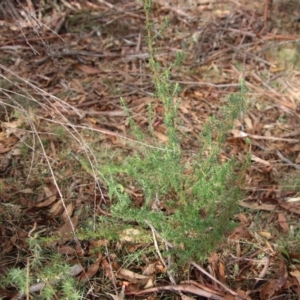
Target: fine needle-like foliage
(189,201)
(45,273)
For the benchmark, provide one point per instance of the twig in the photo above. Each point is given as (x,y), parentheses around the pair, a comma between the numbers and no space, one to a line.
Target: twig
(15,14)
(268,5)
(216,280)
(290,163)
(296,166)
(240,50)
(195,83)
(192,289)
(158,251)
(263,272)
(261,137)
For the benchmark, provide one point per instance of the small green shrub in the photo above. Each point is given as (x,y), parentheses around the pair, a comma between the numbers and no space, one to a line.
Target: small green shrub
(46,268)
(190,202)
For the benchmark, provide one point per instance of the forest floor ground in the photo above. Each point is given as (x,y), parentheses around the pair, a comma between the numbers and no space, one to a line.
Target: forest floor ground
(75,60)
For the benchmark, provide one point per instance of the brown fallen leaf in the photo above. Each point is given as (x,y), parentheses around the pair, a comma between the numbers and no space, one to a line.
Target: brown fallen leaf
(228,296)
(179,288)
(68,212)
(213,260)
(260,160)
(185,297)
(119,296)
(258,206)
(150,283)
(150,269)
(222,273)
(108,271)
(162,137)
(282,222)
(50,192)
(242,217)
(265,234)
(296,274)
(47,202)
(293,283)
(290,206)
(241,232)
(243,294)
(132,276)
(212,289)
(269,289)
(56,209)
(66,250)
(86,69)
(67,229)
(275,285)
(98,243)
(26,191)
(92,270)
